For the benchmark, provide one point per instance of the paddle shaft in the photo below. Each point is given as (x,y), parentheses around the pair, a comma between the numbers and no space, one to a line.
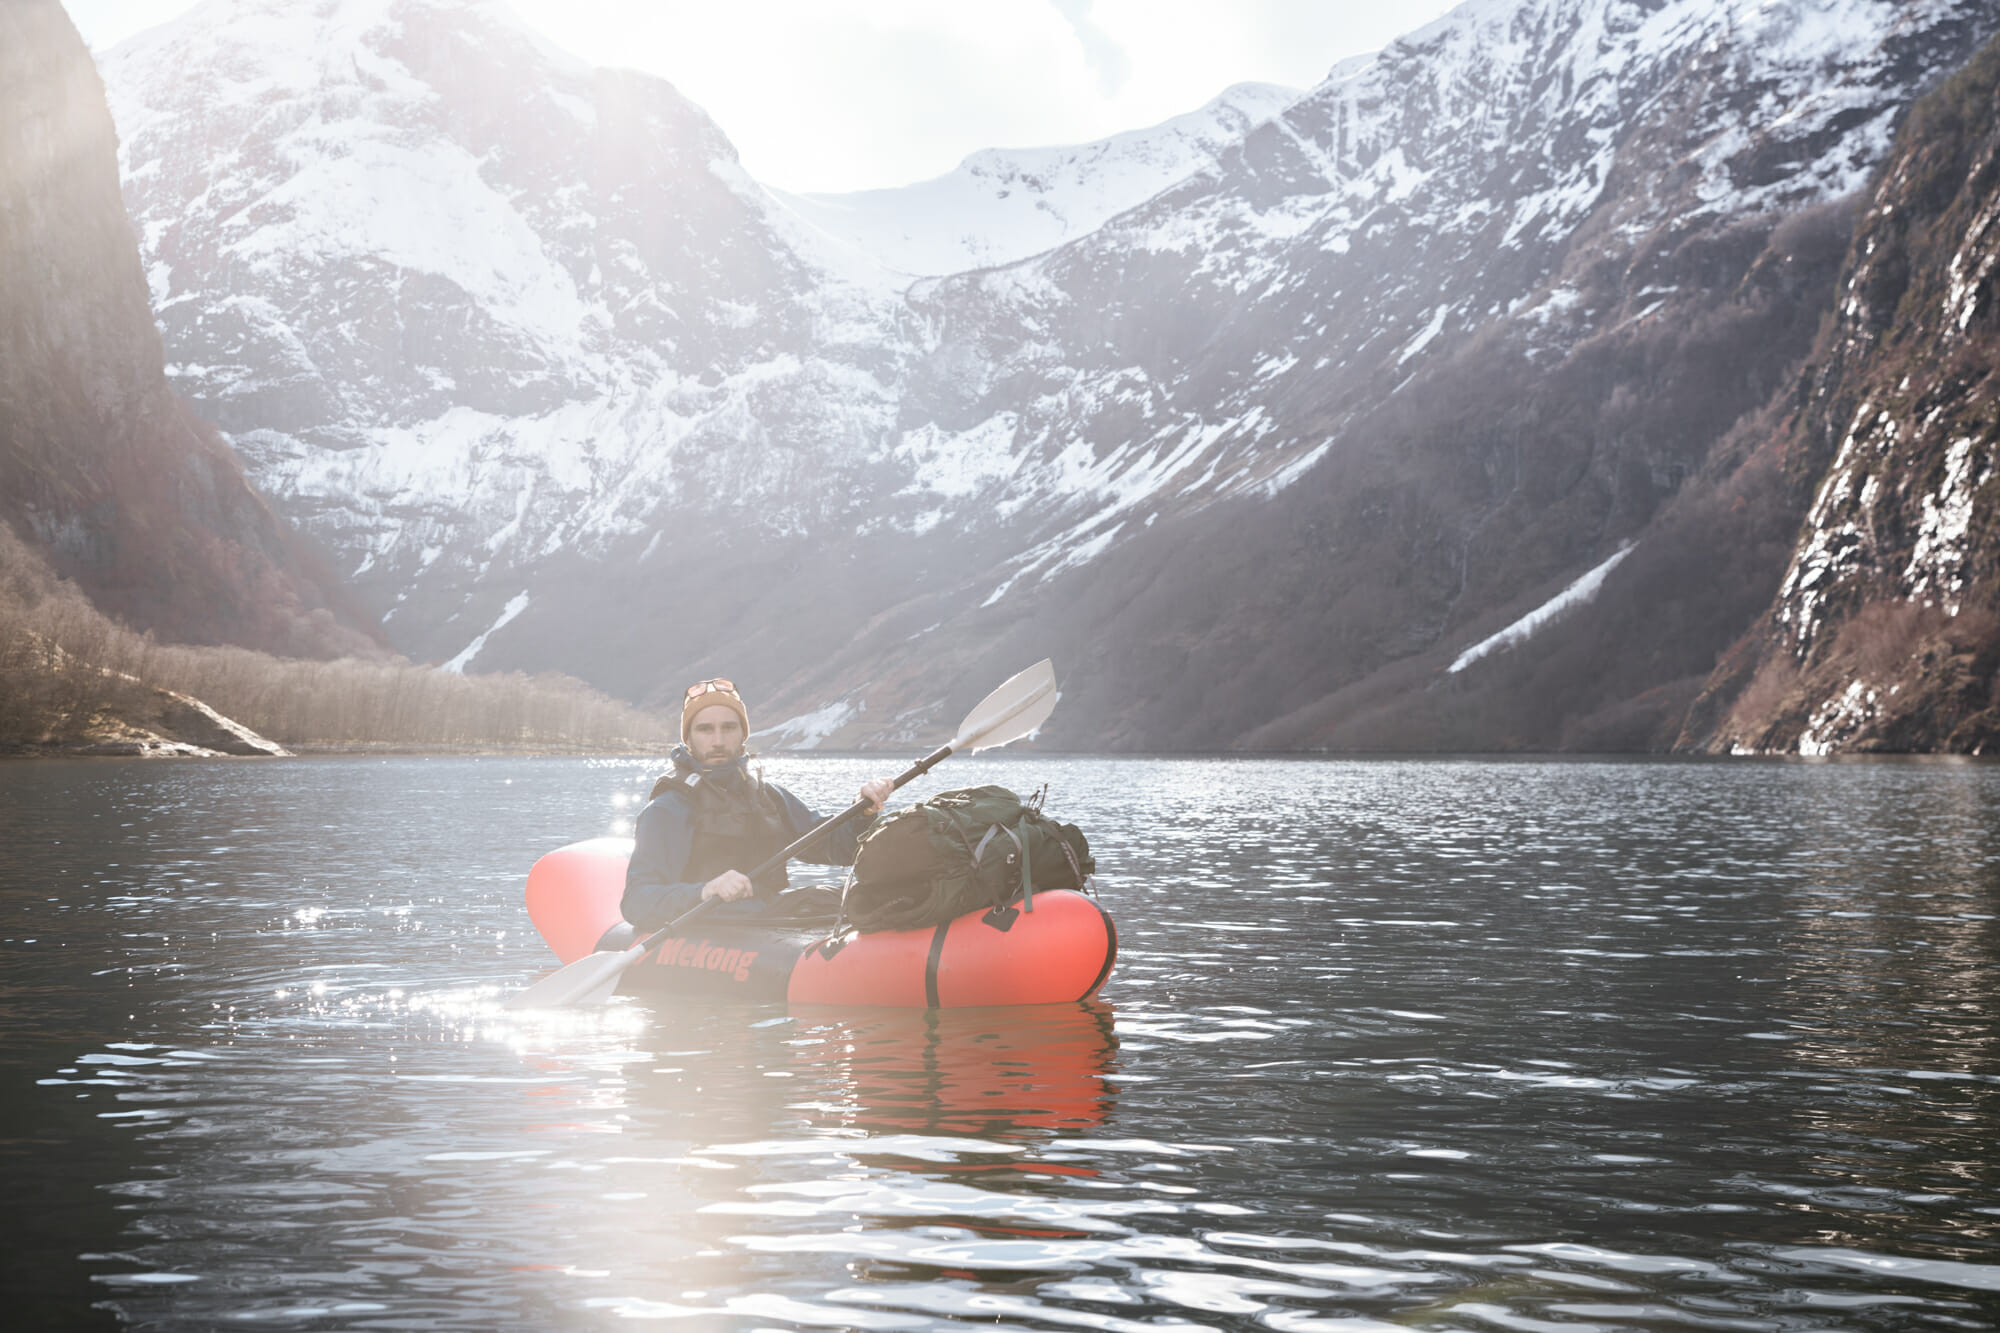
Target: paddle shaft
(778,858)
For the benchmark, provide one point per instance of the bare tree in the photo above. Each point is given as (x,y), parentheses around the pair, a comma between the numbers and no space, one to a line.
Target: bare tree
(63,663)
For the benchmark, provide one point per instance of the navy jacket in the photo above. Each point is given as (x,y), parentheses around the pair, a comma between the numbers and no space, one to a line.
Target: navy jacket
(655,888)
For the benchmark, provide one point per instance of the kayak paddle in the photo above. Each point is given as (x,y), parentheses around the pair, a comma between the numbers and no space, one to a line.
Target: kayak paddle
(1021,704)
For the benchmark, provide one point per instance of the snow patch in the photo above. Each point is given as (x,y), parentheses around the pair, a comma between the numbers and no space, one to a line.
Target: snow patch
(808,730)
(1575,595)
(1839,719)
(514,608)
(1424,336)
(955,465)
(1938,558)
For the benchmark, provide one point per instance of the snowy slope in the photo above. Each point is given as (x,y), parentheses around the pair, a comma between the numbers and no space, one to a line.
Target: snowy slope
(1477,177)
(460,300)
(521,342)
(1005,204)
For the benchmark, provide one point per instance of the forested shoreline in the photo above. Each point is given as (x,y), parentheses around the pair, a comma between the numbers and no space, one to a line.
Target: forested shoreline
(70,675)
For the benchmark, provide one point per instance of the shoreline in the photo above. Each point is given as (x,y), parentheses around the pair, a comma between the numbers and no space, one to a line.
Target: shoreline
(167,749)
(396,750)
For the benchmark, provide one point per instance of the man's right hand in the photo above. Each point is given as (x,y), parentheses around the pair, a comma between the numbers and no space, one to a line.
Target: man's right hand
(730,886)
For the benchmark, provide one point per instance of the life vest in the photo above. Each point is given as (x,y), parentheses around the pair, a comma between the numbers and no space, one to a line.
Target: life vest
(737,823)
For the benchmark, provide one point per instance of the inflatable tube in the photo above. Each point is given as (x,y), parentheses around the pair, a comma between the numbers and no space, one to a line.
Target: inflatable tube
(1059,952)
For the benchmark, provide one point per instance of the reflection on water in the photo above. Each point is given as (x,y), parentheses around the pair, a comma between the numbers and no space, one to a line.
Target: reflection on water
(1432,1045)
(993,1073)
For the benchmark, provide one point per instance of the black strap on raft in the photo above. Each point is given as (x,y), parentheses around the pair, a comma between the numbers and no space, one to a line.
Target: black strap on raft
(942,929)
(1110,952)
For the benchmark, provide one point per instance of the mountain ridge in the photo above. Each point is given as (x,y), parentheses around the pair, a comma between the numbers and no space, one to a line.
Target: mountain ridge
(1000,206)
(1515,199)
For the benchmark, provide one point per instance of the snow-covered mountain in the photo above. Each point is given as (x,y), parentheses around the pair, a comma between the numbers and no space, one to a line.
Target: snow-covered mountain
(471,310)
(463,303)
(1005,204)
(522,342)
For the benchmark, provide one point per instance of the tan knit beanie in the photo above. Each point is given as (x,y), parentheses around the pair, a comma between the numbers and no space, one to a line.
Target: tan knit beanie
(718,693)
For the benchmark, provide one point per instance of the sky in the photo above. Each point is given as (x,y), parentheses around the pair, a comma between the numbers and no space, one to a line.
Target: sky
(836,95)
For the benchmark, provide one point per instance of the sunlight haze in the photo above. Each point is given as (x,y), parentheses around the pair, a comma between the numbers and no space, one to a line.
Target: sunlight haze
(835,95)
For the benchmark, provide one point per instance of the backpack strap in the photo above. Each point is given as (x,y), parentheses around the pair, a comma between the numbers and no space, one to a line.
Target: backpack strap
(671,782)
(1020,850)
(1069,855)
(1027,868)
(1027,865)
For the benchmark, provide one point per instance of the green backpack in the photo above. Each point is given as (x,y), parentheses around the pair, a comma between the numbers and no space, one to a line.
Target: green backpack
(958,852)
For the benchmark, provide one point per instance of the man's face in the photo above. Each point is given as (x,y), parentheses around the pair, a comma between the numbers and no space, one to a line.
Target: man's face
(716,734)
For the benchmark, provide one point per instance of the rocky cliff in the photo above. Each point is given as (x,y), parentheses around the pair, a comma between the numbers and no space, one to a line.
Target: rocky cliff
(101,465)
(1885,631)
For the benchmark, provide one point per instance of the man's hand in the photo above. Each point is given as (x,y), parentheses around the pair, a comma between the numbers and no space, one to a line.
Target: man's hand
(877,793)
(730,886)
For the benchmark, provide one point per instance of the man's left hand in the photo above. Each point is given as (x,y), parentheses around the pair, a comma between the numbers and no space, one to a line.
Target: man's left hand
(876,793)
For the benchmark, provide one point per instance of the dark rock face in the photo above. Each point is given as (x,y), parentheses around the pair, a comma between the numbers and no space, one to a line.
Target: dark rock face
(101,465)
(1516,473)
(1885,632)
(1265,461)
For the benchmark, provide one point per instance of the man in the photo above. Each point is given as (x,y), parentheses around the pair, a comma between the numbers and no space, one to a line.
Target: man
(712,819)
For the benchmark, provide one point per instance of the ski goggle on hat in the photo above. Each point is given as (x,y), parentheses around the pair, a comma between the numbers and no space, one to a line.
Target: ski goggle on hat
(718,692)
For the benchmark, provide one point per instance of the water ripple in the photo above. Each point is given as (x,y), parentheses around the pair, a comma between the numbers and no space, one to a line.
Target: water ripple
(1451,1045)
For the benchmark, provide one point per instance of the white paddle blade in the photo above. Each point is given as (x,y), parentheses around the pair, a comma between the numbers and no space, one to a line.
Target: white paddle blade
(589,980)
(1021,704)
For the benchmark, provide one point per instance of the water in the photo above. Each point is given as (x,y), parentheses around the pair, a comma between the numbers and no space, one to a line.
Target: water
(1470,1045)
